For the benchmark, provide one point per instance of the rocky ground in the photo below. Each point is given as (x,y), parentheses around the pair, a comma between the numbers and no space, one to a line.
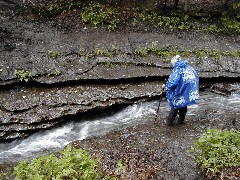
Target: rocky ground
(65,82)
(152,150)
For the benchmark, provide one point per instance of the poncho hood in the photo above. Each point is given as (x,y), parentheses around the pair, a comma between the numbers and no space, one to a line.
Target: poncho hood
(181,63)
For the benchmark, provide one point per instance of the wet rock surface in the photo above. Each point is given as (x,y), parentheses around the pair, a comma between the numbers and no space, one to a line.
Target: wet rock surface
(25,109)
(69,82)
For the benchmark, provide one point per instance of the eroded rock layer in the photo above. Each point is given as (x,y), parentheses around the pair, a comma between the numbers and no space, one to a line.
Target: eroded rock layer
(73,69)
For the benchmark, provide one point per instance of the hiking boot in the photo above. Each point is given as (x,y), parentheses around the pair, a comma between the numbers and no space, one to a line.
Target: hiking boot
(180,121)
(172,115)
(181,115)
(170,121)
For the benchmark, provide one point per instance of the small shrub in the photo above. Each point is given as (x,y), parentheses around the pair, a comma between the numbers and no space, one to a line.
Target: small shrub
(68,164)
(216,149)
(233,54)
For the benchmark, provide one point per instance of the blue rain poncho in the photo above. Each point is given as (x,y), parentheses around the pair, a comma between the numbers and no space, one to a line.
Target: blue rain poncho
(182,85)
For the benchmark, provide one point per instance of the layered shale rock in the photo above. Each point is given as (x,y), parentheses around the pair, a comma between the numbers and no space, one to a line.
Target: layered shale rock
(50,71)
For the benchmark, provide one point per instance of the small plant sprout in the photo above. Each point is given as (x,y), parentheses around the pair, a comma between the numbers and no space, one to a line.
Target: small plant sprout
(200,53)
(121,166)
(141,52)
(100,52)
(53,54)
(153,48)
(24,75)
(82,52)
(215,53)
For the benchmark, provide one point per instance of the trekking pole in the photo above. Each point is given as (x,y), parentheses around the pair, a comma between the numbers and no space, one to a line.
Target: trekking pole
(158,105)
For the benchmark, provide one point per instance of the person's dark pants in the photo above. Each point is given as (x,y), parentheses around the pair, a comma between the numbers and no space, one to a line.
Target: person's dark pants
(174,112)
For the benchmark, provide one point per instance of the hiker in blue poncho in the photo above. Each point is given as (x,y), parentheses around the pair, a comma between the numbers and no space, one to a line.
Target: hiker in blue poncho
(182,89)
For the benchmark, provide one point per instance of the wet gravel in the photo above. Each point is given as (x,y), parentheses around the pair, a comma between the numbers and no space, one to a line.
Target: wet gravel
(149,151)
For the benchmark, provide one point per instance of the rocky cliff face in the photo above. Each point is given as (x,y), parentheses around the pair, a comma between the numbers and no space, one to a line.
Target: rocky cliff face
(50,71)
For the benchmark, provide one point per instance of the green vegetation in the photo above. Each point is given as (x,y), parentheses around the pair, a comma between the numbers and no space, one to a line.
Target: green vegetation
(68,164)
(225,24)
(141,52)
(100,52)
(153,49)
(24,75)
(97,14)
(2,175)
(57,8)
(56,72)
(108,64)
(171,22)
(53,54)
(200,53)
(227,21)
(168,52)
(121,166)
(216,54)
(82,52)
(216,149)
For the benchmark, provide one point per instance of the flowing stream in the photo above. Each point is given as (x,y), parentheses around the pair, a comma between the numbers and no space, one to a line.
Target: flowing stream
(56,138)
